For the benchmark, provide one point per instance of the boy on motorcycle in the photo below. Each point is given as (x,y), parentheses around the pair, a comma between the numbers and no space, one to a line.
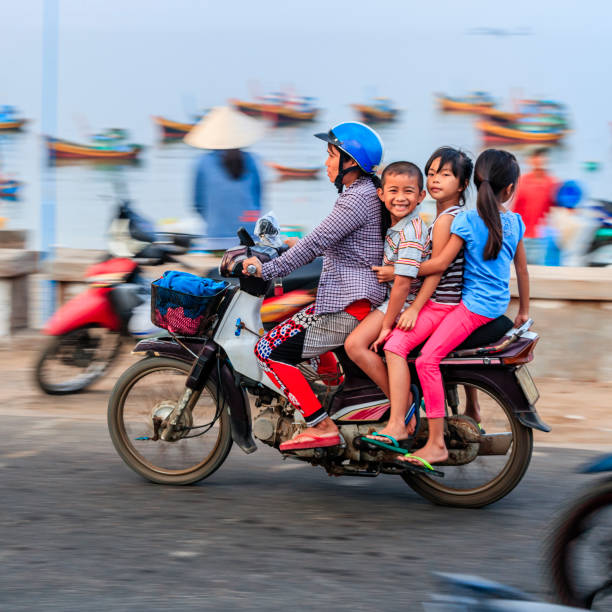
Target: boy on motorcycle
(350,239)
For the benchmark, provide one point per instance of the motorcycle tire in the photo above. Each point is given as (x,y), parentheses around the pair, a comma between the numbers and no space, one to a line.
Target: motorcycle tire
(438,491)
(75,348)
(135,452)
(576,521)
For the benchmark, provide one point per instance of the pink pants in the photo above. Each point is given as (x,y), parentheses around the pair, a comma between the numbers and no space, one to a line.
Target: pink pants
(448,325)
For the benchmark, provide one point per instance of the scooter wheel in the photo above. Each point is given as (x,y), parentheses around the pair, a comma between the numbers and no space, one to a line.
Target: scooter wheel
(73,361)
(144,395)
(578,552)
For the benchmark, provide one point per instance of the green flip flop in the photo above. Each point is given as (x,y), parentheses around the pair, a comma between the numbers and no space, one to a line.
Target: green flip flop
(424,468)
(394,446)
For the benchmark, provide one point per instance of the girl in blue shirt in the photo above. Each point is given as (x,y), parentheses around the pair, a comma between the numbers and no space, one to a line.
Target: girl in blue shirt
(491,237)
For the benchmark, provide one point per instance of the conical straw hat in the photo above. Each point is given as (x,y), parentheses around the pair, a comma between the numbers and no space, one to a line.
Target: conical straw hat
(224,128)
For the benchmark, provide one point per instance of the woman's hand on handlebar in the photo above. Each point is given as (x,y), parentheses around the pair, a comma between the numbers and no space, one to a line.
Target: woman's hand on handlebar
(251,261)
(291,241)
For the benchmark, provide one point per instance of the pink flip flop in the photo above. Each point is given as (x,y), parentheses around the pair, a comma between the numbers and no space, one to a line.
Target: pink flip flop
(308,439)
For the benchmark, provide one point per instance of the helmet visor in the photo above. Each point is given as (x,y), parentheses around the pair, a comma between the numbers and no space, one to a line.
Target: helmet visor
(329,137)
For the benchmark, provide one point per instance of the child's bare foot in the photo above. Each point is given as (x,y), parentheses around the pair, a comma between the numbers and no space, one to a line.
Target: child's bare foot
(432,453)
(399,431)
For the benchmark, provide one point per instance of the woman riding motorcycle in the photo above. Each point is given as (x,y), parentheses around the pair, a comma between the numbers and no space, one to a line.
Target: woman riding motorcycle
(350,239)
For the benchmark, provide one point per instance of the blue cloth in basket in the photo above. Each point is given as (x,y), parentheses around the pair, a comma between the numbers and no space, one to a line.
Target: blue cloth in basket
(191,285)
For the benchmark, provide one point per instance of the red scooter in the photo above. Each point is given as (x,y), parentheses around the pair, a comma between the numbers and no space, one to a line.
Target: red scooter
(87,332)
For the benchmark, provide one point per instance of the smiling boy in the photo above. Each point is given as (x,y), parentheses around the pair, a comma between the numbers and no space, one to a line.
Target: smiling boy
(401,192)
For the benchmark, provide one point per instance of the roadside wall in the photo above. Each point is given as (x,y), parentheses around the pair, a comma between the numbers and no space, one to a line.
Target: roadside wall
(572,311)
(571,307)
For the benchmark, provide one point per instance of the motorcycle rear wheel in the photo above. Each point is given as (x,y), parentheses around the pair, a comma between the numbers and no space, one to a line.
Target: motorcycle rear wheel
(487,478)
(152,387)
(73,361)
(579,554)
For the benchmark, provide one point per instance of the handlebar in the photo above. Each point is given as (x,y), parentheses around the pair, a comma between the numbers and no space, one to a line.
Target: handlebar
(251,269)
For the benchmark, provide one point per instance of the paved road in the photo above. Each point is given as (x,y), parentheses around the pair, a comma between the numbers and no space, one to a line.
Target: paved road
(80,531)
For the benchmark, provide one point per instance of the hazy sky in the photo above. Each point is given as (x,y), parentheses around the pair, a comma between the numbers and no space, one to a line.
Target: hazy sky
(339,16)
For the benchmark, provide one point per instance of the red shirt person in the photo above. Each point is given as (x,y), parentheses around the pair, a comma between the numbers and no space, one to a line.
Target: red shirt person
(535,194)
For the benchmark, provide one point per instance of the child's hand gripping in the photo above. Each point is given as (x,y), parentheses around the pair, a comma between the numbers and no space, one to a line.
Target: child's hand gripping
(384,274)
(408,319)
(385,332)
(521,317)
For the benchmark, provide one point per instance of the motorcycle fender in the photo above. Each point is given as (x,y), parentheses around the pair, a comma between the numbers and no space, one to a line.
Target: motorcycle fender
(237,400)
(503,382)
(166,346)
(239,409)
(92,307)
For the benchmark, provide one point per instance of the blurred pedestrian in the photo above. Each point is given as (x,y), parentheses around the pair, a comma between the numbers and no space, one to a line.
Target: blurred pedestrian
(534,198)
(227,189)
(570,228)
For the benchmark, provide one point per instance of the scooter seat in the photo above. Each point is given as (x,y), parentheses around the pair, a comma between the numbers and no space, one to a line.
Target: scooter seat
(487,334)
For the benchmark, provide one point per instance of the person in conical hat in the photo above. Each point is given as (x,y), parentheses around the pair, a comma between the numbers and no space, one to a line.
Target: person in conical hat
(227,190)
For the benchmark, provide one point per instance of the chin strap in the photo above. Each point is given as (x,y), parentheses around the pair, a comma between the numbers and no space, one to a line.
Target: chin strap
(342,172)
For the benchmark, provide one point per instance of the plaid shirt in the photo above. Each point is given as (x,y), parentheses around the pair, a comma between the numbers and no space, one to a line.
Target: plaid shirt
(349,240)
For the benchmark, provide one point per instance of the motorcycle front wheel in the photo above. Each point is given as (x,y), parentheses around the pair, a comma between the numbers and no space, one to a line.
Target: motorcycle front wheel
(486,479)
(143,397)
(73,361)
(579,551)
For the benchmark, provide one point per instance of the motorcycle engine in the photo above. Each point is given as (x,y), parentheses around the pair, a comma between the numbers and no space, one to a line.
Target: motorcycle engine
(272,427)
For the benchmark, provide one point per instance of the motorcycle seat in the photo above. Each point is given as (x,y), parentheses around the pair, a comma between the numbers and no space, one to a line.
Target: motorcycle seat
(487,334)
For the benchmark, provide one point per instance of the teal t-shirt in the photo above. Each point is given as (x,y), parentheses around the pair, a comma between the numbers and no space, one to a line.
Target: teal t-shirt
(486,289)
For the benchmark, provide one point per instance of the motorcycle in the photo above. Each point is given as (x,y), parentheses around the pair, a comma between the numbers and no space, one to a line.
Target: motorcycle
(479,595)
(174,415)
(599,251)
(579,550)
(87,332)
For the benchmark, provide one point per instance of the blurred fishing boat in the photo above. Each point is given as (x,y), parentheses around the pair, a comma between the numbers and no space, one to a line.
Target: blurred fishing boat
(109,144)
(9,188)
(175,130)
(473,103)
(499,115)
(9,120)
(280,108)
(292,172)
(379,110)
(545,113)
(536,121)
(518,132)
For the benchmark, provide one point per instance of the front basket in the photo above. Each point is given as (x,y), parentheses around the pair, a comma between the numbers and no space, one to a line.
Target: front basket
(182,313)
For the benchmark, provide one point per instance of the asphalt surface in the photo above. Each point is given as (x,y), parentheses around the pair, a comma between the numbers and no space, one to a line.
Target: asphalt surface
(80,531)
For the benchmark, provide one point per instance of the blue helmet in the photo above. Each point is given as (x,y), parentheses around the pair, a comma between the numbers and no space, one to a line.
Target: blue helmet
(569,194)
(357,141)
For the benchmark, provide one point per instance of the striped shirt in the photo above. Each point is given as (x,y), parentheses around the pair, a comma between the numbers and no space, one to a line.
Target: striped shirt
(449,288)
(349,240)
(405,247)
